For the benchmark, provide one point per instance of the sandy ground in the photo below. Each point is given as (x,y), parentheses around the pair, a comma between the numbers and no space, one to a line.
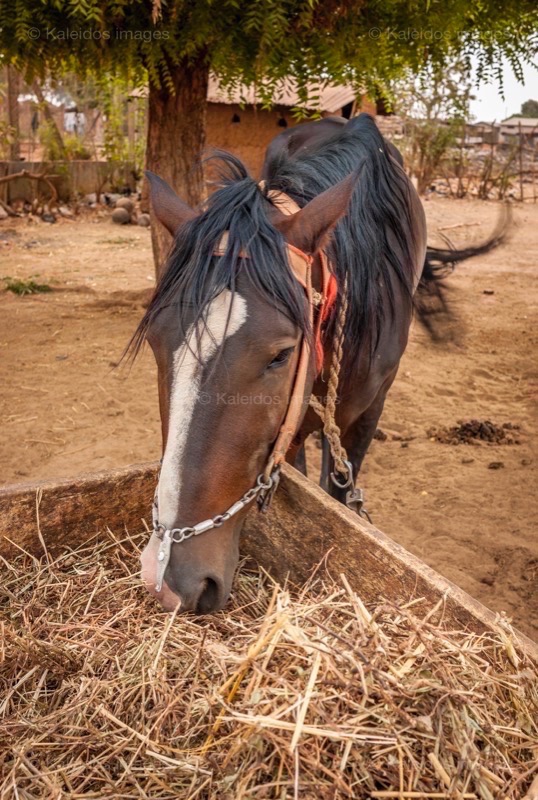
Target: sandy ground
(66,408)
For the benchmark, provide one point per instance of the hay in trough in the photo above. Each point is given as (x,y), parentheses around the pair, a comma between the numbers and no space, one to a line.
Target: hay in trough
(287,694)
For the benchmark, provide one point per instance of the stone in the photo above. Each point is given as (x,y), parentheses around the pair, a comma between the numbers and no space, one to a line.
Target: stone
(121,216)
(110,198)
(143,220)
(126,203)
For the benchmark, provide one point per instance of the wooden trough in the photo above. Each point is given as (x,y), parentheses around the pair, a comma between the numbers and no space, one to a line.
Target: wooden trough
(303,527)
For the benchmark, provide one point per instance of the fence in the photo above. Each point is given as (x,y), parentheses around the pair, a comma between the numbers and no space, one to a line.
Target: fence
(480,161)
(70,179)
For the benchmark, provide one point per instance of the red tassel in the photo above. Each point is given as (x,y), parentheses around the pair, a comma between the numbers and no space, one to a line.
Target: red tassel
(325,311)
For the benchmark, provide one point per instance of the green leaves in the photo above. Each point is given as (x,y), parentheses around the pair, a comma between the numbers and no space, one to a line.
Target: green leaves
(360,41)
(23,287)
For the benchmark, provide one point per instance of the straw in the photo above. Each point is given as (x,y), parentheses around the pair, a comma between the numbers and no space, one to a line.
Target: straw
(289,693)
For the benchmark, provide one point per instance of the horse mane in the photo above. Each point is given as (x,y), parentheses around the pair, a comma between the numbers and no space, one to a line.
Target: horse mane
(374,242)
(370,245)
(193,276)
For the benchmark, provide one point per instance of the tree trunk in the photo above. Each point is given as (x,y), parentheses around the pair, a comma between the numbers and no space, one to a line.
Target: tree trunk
(176,138)
(13,83)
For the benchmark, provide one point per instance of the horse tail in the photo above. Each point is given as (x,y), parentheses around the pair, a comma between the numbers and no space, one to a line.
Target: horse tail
(432,306)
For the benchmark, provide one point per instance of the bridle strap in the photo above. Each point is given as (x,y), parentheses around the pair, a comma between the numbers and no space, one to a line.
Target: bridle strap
(301,266)
(295,410)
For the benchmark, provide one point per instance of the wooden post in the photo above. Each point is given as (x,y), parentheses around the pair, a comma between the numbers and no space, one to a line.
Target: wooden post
(493,152)
(533,165)
(520,163)
(13,84)
(534,172)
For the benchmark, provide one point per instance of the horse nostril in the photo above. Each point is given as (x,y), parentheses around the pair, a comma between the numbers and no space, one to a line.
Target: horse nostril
(210,597)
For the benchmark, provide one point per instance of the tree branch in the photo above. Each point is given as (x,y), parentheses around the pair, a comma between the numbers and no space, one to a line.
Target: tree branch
(34,177)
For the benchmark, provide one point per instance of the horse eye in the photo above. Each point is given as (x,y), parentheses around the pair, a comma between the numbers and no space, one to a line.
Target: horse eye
(281,358)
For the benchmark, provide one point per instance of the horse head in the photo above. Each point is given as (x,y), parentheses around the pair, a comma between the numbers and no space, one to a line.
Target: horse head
(229,326)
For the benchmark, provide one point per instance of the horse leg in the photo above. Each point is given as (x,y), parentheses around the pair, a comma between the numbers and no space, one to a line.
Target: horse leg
(358,437)
(356,442)
(300,460)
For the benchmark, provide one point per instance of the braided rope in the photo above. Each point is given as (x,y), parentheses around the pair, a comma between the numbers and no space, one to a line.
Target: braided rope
(327,412)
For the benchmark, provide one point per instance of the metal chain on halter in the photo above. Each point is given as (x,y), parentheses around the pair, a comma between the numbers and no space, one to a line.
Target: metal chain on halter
(263,489)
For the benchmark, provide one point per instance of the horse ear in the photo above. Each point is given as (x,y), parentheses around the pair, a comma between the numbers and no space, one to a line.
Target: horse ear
(169,209)
(310,228)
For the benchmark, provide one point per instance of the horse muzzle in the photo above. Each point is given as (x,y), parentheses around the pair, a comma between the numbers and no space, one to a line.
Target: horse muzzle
(199,576)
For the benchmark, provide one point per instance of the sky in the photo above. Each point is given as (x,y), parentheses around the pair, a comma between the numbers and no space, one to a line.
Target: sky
(489,106)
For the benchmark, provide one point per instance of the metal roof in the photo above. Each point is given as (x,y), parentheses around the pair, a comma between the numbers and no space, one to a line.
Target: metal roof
(525,122)
(325,97)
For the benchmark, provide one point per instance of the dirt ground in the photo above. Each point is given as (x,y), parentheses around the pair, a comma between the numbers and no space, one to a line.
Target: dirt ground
(66,408)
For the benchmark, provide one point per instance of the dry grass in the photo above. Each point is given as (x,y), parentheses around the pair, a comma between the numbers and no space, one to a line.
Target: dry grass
(289,694)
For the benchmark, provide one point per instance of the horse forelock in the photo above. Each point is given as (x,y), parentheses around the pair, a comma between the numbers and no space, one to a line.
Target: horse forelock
(193,276)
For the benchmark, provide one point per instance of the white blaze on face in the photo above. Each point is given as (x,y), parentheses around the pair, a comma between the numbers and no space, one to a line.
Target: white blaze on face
(188,366)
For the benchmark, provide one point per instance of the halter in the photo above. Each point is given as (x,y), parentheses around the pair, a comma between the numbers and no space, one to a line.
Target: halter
(267,482)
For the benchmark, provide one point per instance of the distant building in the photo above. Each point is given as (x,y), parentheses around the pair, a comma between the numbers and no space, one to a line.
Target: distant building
(514,127)
(74,121)
(479,133)
(237,122)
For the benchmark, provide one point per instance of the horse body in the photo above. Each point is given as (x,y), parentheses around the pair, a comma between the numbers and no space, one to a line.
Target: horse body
(226,327)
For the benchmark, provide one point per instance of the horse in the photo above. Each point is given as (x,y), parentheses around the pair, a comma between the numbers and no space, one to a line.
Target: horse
(271,290)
